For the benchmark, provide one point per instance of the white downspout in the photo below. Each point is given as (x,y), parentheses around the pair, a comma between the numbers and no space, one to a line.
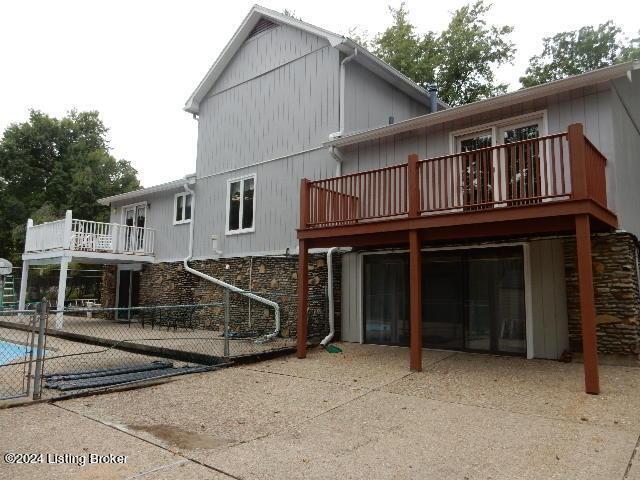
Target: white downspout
(343,78)
(332,324)
(335,153)
(219,282)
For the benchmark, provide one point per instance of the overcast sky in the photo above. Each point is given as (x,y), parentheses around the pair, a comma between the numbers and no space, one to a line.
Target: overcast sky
(137,62)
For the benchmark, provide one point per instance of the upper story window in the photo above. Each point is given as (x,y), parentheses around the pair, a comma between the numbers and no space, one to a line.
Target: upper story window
(182,208)
(241,205)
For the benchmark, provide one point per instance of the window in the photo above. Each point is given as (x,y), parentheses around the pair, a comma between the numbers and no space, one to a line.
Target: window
(182,208)
(241,205)
(135,219)
(478,174)
(523,163)
(512,173)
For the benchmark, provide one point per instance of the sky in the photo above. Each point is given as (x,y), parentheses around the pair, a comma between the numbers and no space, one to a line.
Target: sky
(137,61)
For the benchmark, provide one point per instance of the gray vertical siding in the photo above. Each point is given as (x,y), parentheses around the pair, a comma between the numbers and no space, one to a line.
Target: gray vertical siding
(268,114)
(351,313)
(267,51)
(549,299)
(625,106)
(591,106)
(284,111)
(171,241)
(370,101)
(277,192)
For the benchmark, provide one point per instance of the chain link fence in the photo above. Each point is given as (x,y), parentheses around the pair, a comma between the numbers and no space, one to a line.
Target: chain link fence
(17,337)
(62,352)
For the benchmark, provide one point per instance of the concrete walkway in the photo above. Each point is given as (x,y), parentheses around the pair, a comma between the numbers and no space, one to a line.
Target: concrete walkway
(357,415)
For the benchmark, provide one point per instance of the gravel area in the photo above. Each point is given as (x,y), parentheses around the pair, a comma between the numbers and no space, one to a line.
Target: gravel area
(359,414)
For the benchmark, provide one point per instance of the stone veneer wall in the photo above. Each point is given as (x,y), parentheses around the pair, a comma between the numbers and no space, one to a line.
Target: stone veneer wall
(273,277)
(108,286)
(617,298)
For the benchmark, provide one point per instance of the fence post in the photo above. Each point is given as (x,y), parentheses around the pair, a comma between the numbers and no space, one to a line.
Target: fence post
(42,322)
(226,323)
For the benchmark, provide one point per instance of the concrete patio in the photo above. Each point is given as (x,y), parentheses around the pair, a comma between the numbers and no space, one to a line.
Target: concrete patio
(358,414)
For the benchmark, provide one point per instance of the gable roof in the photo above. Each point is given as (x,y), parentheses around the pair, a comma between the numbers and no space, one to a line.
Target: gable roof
(258,14)
(594,77)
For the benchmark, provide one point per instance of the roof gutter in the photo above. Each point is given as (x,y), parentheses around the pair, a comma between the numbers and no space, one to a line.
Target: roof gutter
(481,106)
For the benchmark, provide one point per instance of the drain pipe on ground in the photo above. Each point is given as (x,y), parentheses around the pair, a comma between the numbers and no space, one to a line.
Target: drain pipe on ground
(219,282)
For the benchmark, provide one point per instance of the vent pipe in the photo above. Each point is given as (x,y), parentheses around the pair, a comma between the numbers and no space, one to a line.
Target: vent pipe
(433,98)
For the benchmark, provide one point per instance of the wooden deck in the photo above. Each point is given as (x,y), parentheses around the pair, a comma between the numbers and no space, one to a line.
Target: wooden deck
(548,185)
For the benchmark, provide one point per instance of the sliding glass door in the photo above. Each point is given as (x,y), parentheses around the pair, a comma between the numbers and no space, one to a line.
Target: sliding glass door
(471,300)
(443,300)
(496,308)
(386,299)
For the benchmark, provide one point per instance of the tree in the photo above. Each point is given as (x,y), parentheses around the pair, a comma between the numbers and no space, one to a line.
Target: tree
(578,51)
(49,165)
(468,52)
(460,60)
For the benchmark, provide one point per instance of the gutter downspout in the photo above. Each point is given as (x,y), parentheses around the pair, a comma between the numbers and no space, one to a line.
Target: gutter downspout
(335,153)
(219,282)
(332,325)
(343,77)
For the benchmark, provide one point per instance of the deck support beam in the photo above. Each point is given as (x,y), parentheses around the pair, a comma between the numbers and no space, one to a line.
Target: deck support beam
(24,280)
(587,304)
(62,289)
(303,298)
(415,301)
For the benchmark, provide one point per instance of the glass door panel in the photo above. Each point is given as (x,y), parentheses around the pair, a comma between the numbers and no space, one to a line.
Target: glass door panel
(510,305)
(478,303)
(129,215)
(386,299)
(442,300)
(477,169)
(495,301)
(522,163)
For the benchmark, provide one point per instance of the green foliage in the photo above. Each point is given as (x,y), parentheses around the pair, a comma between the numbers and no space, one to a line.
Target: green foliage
(579,51)
(468,52)
(49,165)
(460,60)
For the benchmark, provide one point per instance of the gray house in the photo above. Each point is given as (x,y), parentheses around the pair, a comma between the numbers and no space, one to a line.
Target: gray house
(287,101)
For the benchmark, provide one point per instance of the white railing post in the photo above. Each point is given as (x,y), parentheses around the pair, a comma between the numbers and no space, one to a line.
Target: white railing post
(28,240)
(114,237)
(66,233)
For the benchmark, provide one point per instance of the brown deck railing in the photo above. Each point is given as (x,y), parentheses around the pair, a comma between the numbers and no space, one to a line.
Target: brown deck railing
(528,172)
(369,195)
(595,163)
(517,173)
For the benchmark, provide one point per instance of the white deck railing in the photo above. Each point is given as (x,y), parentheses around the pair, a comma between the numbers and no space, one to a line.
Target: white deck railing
(88,236)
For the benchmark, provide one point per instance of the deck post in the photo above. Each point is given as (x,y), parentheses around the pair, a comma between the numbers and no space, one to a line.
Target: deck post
(415,301)
(587,304)
(68,225)
(413,186)
(24,279)
(577,156)
(303,297)
(62,287)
